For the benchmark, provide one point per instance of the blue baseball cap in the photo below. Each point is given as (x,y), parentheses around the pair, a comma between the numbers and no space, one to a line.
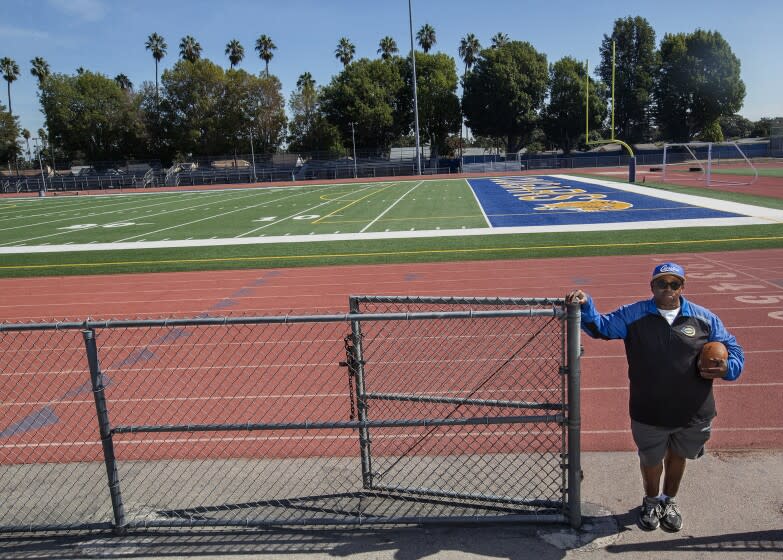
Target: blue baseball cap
(669,268)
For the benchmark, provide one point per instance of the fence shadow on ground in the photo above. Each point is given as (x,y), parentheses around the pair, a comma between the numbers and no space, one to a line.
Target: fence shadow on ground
(406,543)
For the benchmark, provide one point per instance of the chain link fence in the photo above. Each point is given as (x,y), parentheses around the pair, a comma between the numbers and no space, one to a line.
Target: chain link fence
(400,411)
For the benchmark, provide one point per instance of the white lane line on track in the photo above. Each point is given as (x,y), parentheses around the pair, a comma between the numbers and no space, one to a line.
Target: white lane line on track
(348,437)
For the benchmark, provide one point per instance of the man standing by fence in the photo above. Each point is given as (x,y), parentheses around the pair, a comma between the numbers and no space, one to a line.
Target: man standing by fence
(671,401)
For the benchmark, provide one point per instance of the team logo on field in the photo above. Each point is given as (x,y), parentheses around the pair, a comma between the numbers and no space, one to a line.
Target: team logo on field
(688,331)
(587,206)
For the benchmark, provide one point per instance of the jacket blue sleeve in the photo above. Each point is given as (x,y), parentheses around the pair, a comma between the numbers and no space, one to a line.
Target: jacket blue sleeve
(736,359)
(609,326)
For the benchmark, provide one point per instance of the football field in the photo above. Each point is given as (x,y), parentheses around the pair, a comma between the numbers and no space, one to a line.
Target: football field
(238,213)
(390,209)
(372,222)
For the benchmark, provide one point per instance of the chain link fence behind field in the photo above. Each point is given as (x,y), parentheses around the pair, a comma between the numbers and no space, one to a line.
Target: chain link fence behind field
(386,414)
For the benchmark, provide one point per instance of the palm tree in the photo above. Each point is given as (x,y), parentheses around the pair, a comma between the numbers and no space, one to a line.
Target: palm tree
(124,82)
(265,46)
(26,136)
(40,69)
(305,81)
(235,52)
(387,47)
(426,37)
(345,51)
(189,49)
(469,48)
(157,45)
(499,39)
(10,70)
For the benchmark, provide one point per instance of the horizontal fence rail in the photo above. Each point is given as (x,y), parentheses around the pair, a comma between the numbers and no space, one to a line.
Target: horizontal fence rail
(400,411)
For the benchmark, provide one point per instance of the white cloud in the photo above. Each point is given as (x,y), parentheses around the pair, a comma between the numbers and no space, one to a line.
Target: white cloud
(87,10)
(9,32)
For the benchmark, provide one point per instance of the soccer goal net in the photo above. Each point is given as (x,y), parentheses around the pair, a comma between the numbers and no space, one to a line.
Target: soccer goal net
(707,163)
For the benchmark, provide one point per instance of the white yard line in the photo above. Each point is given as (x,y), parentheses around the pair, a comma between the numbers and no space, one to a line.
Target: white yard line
(210,217)
(393,204)
(310,209)
(122,206)
(83,218)
(486,218)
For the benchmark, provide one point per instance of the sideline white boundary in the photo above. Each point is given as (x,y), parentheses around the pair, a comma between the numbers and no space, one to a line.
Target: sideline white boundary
(753,215)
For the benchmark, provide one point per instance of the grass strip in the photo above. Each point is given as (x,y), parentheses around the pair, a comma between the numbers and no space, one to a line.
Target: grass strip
(439,249)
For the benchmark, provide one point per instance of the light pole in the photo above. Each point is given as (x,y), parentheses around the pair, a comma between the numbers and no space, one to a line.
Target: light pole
(42,190)
(353,141)
(415,95)
(253,156)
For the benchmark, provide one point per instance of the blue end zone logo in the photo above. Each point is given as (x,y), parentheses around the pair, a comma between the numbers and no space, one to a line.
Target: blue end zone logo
(533,201)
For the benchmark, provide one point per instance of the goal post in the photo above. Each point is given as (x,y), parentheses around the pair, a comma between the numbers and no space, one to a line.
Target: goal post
(708,163)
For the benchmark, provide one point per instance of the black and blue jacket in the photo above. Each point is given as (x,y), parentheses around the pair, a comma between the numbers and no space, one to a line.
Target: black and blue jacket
(665,385)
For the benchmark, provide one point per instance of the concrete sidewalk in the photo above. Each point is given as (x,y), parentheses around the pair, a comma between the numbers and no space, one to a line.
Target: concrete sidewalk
(732,503)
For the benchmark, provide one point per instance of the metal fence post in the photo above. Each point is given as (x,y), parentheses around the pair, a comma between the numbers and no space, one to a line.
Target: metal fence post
(361,398)
(96,377)
(573,354)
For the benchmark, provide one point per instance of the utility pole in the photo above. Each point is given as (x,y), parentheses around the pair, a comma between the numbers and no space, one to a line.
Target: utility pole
(42,189)
(253,156)
(415,95)
(353,141)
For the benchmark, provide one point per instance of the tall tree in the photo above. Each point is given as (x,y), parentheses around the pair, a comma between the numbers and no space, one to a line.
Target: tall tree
(90,117)
(124,82)
(9,132)
(635,70)
(10,70)
(499,39)
(469,48)
(439,110)
(505,93)
(387,48)
(189,49)
(26,135)
(309,131)
(564,117)
(40,69)
(265,46)
(368,92)
(426,37)
(345,51)
(235,52)
(699,83)
(157,46)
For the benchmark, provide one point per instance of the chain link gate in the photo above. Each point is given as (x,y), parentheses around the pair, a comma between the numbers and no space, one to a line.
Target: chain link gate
(399,412)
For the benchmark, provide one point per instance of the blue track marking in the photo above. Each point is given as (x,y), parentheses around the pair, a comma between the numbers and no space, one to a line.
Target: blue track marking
(544,200)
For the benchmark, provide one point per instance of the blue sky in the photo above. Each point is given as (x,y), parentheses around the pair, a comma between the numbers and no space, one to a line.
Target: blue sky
(108,36)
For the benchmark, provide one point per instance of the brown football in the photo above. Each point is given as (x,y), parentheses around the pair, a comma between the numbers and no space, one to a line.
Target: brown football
(712,351)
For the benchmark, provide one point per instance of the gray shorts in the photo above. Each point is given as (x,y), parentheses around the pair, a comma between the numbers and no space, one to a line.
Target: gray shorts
(653,441)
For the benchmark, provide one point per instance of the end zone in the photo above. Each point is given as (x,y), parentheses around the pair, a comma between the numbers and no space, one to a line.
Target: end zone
(562,200)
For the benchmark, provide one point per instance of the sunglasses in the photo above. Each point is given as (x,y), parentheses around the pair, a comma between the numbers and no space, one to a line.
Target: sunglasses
(663,284)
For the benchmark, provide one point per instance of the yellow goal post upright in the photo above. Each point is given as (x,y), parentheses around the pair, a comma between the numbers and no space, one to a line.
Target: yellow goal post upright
(612,140)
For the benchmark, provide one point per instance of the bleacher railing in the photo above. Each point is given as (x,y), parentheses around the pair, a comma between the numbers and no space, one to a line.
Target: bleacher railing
(404,410)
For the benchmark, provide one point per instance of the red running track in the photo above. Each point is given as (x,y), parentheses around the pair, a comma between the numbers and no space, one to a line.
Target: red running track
(745,288)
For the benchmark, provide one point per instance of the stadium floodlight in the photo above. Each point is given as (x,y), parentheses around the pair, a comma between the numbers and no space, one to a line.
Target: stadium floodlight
(353,141)
(415,94)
